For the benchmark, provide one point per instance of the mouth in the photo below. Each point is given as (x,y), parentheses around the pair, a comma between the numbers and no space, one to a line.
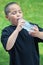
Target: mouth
(19,19)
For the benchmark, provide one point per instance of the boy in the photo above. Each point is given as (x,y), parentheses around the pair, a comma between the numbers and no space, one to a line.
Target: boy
(21,45)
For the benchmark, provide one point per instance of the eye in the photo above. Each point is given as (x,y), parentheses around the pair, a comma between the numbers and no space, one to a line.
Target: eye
(20,11)
(14,12)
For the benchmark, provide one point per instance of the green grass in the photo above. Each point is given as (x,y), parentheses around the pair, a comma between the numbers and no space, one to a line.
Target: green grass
(4,57)
(41,53)
(32,11)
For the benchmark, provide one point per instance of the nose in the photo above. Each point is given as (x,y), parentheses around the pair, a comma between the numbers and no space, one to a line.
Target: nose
(18,14)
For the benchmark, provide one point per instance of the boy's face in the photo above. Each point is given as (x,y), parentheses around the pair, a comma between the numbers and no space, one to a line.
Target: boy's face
(14,14)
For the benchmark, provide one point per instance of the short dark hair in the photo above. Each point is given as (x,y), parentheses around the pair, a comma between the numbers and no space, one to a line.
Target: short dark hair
(6,9)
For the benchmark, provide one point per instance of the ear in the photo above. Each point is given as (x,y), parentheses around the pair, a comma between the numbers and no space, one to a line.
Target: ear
(6,16)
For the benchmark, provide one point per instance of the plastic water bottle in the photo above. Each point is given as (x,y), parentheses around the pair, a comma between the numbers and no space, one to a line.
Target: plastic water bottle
(28,26)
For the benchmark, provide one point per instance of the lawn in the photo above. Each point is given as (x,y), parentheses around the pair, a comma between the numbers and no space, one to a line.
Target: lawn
(32,11)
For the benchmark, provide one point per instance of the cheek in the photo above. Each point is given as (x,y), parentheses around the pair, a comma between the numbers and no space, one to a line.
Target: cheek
(21,15)
(13,18)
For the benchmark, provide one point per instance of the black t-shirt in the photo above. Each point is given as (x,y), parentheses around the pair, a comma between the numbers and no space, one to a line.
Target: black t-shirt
(25,51)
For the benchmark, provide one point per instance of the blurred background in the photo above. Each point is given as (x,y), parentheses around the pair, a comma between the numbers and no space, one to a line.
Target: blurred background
(32,11)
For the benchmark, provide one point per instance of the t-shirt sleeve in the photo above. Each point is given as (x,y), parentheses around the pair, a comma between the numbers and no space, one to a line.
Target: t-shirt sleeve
(4,38)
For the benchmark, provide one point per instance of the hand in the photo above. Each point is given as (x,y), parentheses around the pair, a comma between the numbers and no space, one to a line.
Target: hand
(21,22)
(34,33)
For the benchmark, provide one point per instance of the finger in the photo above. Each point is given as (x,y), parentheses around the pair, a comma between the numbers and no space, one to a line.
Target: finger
(31,32)
(35,28)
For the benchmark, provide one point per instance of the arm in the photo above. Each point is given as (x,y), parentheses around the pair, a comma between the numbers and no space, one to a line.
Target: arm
(40,35)
(13,36)
(12,39)
(36,33)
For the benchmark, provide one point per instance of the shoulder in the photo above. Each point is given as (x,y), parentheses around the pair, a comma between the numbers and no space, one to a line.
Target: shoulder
(8,30)
(9,27)
(33,23)
(40,29)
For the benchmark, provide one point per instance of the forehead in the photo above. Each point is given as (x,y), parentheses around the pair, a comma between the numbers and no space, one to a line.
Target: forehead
(14,7)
